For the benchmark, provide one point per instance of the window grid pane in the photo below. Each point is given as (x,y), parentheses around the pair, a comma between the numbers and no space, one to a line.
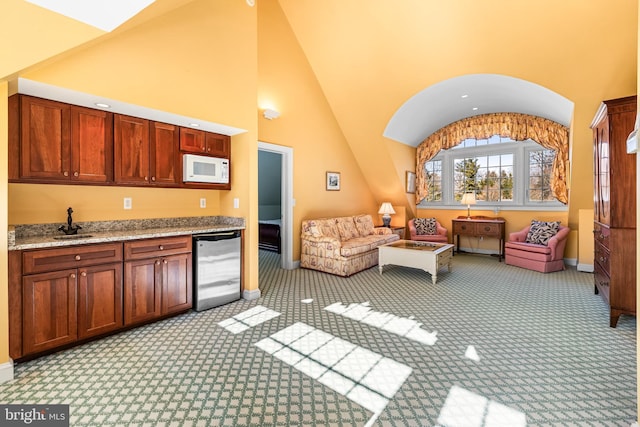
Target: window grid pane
(433,180)
(490,177)
(540,169)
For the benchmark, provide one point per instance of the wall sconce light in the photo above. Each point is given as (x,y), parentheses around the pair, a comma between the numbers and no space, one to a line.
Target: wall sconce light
(270,114)
(468,199)
(386,210)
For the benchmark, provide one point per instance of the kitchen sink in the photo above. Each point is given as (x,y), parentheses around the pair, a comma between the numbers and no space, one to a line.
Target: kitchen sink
(73,236)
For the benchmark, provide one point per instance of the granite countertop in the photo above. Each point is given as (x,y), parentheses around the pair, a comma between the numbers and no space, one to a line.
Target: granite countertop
(38,236)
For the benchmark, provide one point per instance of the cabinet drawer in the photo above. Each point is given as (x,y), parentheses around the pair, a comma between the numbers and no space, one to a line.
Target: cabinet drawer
(464,228)
(148,248)
(44,260)
(601,234)
(602,257)
(488,229)
(602,280)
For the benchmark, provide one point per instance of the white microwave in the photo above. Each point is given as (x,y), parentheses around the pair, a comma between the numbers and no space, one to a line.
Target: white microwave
(211,170)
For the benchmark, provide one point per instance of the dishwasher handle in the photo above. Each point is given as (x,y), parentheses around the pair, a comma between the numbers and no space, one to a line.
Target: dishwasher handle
(224,235)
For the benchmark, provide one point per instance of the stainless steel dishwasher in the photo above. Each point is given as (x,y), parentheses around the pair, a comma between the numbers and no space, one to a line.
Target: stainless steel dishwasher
(216,270)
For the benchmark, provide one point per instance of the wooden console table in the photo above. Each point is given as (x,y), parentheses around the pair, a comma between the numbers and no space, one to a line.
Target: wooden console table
(479,226)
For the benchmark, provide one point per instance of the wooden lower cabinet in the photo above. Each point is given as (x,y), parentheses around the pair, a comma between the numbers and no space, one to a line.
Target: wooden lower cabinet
(160,283)
(99,300)
(49,310)
(65,295)
(142,291)
(176,283)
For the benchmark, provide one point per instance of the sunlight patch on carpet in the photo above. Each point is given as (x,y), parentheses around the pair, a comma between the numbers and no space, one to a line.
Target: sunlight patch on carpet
(247,319)
(465,408)
(404,326)
(363,376)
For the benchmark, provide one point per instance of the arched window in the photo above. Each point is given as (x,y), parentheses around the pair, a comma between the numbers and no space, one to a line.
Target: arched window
(506,159)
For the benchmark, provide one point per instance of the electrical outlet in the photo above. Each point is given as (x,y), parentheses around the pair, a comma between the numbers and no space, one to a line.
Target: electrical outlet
(128,204)
(203,203)
(236,203)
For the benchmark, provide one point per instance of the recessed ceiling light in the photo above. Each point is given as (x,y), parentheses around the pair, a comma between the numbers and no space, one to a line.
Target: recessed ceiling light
(102,105)
(475,108)
(105,15)
(464,96)
(195,125)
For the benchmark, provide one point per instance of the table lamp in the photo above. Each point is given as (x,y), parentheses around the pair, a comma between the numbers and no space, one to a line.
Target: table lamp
(386,210)
(468,199)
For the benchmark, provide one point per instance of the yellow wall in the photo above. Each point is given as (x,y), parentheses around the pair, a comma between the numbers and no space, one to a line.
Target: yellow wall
(307,125)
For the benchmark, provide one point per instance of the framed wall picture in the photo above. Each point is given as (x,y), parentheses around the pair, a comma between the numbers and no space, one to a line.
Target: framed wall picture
(410,182)
(333,181)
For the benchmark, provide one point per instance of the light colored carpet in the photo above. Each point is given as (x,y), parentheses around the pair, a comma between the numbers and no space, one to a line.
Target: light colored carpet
(544,351)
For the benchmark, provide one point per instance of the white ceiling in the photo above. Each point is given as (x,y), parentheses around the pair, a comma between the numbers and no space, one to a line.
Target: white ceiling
(443,103)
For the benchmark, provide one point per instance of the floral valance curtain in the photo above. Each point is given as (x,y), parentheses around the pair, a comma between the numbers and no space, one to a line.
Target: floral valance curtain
(519,127)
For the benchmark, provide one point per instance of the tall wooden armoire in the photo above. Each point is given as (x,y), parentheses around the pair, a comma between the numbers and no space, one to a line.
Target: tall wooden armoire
(615,207)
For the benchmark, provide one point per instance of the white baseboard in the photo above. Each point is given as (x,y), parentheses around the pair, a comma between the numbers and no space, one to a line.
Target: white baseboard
(571,261)
(251,295)
(587,268)
(6,371)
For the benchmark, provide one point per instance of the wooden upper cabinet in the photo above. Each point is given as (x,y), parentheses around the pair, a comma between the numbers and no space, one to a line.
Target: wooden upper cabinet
(146,152)
(218,145)
(61,142)
(91,145)
(198,141)
(165,167)
(131,147)
(192,140)
(45,144)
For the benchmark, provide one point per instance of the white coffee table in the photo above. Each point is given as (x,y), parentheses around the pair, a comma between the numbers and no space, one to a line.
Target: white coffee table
(426,256)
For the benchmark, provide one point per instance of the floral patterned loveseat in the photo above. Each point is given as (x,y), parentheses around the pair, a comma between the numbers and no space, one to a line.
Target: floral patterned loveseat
(343,245)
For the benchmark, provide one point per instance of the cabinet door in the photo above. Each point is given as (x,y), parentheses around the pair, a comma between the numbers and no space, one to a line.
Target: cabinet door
(218,145)
(131,145)
(165,154)
(192,140)
(99,299)
(45,139)
(142,290)
(176,283)
(604,186)
(91,145)
(49,310)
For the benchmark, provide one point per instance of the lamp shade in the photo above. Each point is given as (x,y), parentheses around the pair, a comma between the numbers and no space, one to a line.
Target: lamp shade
(386,209)
(468,199)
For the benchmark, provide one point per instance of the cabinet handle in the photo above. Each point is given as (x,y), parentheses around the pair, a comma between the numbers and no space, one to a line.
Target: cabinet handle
(208,150)
(65,173)
(77,257)
(157,262)
(73,276)
(164,261)
(83,274)
(76,174)
(601,236)
(161,247)
(153,178)
(601,259)
(146,178)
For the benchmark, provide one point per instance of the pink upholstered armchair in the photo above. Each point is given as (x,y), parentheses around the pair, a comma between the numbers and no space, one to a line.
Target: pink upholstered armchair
(439,237)
(538,257)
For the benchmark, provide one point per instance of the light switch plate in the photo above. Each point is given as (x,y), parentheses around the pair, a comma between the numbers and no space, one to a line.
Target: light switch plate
(203,203)
(128,204)
(236,203)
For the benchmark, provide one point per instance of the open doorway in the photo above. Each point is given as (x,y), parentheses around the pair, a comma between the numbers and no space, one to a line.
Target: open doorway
(277,209)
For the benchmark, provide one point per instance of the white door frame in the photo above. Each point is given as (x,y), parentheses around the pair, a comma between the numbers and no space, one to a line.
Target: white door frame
(286,228)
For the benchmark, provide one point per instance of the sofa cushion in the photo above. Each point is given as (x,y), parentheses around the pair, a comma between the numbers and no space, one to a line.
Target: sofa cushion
(425,226)
(347,228)
(541,231)
(328,228)
(364,225)
(312,228)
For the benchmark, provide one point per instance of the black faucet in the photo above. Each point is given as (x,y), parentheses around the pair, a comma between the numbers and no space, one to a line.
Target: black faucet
(70,228)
